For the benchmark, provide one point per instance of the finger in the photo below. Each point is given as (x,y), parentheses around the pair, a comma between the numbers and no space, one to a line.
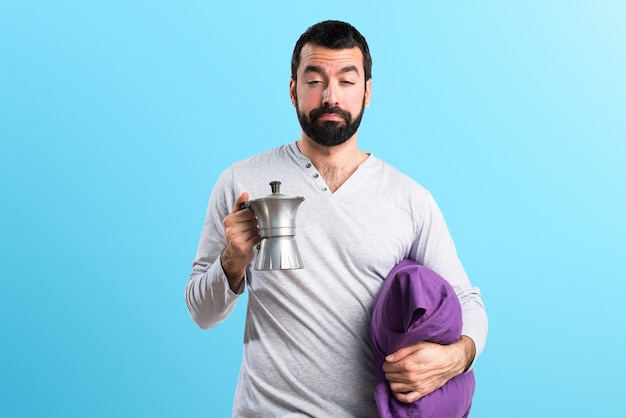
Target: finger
(392,368)
(407,397)
(252,232)
(399,367)
(402,353)
(242,198)
(241,226)
(400,381)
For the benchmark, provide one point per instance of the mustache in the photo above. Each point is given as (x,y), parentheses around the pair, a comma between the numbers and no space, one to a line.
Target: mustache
(327,110)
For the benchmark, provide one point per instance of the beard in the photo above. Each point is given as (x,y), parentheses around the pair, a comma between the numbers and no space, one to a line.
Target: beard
(326,132)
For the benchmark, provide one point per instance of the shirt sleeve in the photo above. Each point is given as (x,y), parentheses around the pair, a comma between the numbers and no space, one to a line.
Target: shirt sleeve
(208,295)
(435,249)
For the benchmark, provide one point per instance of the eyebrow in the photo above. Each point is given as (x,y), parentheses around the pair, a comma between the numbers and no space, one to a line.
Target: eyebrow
(318,69)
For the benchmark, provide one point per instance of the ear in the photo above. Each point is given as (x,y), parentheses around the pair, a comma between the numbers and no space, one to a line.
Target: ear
(368,92)
(292,91)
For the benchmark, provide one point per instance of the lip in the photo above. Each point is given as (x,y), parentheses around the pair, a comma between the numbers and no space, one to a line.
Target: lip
(331,116)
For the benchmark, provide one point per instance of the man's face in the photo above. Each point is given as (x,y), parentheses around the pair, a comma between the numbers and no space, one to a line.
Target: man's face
(330,93)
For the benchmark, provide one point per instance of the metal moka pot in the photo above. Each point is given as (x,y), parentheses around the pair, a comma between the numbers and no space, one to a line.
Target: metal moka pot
(277,222)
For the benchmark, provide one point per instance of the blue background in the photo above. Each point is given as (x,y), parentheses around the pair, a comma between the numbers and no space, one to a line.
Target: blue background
(116,118)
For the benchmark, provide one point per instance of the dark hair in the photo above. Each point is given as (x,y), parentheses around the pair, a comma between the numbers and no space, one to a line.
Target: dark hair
(332,34)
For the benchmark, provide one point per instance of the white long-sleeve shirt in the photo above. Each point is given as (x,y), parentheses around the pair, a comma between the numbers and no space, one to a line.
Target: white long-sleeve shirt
(306,341)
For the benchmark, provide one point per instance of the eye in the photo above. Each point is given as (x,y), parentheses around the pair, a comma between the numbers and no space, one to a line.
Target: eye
(347,82)
(313,82)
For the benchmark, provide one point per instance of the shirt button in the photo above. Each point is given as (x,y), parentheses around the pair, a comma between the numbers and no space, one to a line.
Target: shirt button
(308,165)
(324,189)
(315,175)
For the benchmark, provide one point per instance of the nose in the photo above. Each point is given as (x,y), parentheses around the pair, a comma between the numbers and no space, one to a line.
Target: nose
(329,96)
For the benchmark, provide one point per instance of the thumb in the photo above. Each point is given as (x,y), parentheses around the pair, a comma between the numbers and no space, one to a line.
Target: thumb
(241,199)
(402,353)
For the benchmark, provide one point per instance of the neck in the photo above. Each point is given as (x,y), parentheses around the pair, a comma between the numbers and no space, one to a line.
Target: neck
(335,164)
(339,155)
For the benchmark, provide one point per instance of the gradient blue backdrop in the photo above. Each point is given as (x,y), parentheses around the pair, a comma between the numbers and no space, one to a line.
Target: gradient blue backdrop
(116,117)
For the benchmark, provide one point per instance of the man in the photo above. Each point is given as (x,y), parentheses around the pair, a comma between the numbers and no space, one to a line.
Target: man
(306,341)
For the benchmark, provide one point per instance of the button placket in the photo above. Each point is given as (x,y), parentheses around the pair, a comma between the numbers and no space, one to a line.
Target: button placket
(316,177)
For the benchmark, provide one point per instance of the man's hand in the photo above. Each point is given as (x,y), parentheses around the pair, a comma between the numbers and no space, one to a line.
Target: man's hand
(241,228)
(417,370)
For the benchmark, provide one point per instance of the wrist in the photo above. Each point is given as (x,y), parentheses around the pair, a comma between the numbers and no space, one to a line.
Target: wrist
(234,276)
(468,348)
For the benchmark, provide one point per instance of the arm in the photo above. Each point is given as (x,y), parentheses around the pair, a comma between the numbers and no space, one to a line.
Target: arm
(418,370)
(224,253)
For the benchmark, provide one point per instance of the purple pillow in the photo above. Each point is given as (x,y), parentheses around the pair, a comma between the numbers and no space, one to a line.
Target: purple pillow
(415,304)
